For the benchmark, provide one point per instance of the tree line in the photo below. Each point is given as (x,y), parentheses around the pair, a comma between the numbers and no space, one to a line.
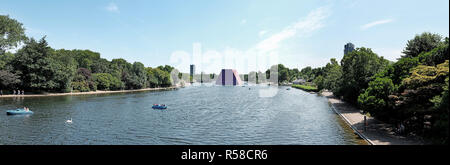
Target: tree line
(412,91)
(37,67)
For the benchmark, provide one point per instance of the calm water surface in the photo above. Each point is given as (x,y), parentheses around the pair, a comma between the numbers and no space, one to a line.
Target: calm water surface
(196,115)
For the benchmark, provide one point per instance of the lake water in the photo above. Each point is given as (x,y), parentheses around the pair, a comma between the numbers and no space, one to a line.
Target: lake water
(195,115)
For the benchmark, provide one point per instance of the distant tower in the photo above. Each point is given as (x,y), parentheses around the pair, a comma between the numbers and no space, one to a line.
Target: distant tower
(349,47)
(192,72)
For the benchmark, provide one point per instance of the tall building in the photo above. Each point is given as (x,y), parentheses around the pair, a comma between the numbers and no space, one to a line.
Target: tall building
(349,47)
(192,71)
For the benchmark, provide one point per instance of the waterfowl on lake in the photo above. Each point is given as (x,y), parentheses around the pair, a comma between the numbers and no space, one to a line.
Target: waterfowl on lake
(69,121)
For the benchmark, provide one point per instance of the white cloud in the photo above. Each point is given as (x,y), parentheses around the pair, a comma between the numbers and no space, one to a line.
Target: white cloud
(375,23)
(312,22)
(244,21)
(258,57)
(112,7)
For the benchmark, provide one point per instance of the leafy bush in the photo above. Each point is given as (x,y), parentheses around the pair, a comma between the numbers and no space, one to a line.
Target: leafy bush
(375,98)
(106,81)
(423,75)
(80,86)
(306,88)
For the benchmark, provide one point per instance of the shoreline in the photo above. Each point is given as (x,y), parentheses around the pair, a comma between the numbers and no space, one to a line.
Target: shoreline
(376,133)
(89,93)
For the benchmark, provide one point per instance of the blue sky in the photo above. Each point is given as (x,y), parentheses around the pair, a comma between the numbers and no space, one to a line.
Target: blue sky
(300,33)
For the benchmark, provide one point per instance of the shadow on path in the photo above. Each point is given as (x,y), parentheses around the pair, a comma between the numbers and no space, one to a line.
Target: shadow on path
(377,132)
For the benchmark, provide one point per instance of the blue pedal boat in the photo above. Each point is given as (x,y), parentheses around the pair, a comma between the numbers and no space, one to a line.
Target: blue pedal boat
(159,106)
(18,112)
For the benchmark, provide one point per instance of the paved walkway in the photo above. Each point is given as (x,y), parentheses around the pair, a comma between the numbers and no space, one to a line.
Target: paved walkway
(88,93)
(377,132)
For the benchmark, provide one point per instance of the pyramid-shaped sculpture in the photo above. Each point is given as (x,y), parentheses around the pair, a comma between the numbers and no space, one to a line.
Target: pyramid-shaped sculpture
(228,77)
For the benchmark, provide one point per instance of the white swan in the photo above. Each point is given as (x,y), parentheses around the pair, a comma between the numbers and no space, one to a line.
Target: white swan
(69,121)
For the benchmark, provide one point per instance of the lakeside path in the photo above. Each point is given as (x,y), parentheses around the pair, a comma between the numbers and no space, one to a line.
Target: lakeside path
(88,93)
(377,132)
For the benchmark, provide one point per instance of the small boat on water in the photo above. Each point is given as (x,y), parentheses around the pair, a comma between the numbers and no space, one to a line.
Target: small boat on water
(159,106)
(18,112)
(288,89)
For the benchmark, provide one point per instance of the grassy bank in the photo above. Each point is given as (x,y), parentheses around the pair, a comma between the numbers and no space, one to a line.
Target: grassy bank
(306,88)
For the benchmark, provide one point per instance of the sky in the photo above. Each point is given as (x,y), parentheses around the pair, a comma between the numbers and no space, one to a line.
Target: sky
(215,34)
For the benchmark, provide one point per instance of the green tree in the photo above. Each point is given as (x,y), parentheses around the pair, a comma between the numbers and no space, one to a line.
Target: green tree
(421,43)
(64,67)
(306,73)
(283,73)
(83,81)
(5,59)
(330,77)
(376,97)
(11,33)
(166,68)
(402,68)
(85,58)
(320,82)
(436,56)
(124,70)
(163,77)
(294,74)
(35,65)
(418,97)
(8,80)
(441,112)
(81,86)
(358,67)
(138,70)
(106,81)
(151,78)
(101,66)
(423,75)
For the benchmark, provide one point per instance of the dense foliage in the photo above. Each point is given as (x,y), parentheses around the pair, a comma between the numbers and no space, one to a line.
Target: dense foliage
(421,43)
(331,76)
(11,33)
(37,67)
(358,67)
(412,91)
